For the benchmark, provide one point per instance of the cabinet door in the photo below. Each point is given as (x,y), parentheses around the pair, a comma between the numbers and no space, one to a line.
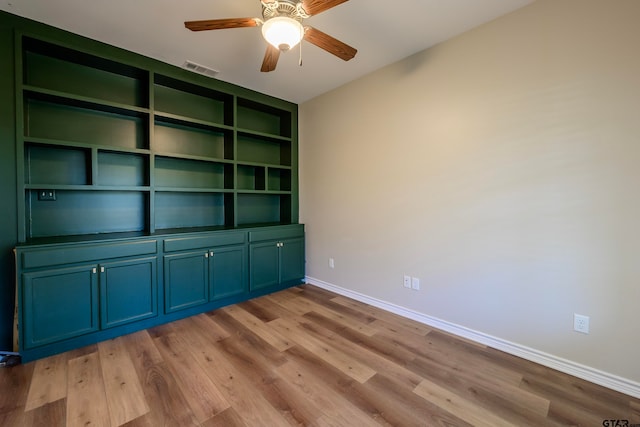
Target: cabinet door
(128,291)
(292,260)
(186,280)
(263,265)
(227,272)
(59,304)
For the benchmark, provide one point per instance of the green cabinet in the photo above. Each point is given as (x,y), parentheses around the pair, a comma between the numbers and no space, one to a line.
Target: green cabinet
(78,293)
(276,256)
(58,304)
(67,291)
(227,272)
(65,302)
(265,265)
(186,278)
(128,291)
(291,260)
(208,266)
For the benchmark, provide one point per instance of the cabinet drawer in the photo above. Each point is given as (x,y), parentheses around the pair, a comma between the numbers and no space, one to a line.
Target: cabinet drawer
(209,241)
(86,252)
(277,233)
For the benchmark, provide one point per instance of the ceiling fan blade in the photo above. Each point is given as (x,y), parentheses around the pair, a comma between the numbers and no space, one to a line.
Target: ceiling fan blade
(330,44)
(270,59)
(314,7)
(220,24)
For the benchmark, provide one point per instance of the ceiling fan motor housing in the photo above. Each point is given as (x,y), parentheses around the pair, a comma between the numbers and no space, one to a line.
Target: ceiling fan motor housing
(289,8)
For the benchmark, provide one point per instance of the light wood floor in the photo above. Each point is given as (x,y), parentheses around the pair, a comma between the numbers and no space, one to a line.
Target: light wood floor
(303,356)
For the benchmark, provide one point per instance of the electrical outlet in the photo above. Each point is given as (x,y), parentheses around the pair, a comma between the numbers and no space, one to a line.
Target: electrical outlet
(332,263)
(46,195)
(581,323)
(415,283)
(407,282)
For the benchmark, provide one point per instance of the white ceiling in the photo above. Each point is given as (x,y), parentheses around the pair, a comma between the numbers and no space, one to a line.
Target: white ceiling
(383,31)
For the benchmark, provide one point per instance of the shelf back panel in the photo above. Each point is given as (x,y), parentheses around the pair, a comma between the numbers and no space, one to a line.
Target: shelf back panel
(181,173)
(86,212)
(177,139)
(263,209)
(56,74)
(174,101)
(122,169)
(250,178)
(56,165)
(263,150)
(70,123)
(279,180)
(260,118)
(185,210)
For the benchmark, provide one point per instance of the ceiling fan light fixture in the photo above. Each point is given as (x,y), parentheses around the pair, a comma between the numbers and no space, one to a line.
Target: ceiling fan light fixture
(282,32)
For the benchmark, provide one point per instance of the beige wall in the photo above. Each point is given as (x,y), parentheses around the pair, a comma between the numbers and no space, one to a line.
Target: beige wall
(502,168)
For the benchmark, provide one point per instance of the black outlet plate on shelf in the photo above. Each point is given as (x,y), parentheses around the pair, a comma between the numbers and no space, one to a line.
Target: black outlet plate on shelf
(46,195)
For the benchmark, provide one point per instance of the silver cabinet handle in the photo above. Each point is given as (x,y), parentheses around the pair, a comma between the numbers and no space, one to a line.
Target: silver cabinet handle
(101,269)
(206,254)
(210,253)
(94,270)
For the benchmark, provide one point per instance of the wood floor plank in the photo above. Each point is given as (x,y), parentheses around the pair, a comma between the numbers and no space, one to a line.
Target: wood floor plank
(322,299)
(285,299)
(456,359)
(237,389)
(569,403)
(461,407)
(86,396)
(241,332)
(168,406)
(227,418)
(635,412)
(343,362)
(49,381)
(14,387)
(302,306)
(49,414)
(125,398)
(384,399)
(378,362)
(472,383)
(259,372)
(214,330)
(335,410)
(202,395)
(374,344)
(258,327)
(258,309)
(384,316)
(272,309)
(142,351)
(402,407)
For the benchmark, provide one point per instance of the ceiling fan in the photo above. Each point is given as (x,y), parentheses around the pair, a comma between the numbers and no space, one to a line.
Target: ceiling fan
(282,28)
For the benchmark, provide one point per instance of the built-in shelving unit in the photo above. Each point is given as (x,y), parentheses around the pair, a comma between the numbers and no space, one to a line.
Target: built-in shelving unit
(145,193)
(109,147)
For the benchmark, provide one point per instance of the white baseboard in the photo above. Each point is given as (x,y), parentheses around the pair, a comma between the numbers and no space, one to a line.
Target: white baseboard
(595,376)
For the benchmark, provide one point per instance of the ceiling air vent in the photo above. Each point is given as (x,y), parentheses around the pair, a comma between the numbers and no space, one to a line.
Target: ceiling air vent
(200,69)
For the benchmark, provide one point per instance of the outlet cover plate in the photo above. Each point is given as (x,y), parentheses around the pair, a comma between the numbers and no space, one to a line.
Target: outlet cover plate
(581,323)
(407,282)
